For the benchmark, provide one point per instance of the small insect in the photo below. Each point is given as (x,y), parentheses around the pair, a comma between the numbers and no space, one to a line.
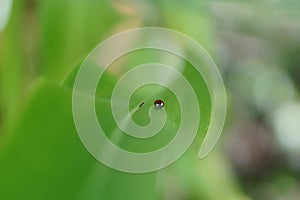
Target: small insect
(141,104)
(159,103)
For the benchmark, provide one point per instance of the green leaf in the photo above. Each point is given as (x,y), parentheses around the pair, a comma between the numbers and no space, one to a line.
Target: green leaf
(44,158)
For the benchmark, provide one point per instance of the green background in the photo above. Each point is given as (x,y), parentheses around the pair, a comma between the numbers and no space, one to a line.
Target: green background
(256,47)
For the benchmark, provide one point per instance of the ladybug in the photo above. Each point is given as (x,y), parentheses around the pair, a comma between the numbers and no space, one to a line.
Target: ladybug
(159,103)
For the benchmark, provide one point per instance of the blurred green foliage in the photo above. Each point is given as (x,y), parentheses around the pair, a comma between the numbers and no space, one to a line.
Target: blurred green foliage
(41,155)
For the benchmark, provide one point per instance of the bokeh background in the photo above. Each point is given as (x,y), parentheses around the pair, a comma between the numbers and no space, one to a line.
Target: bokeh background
(256,46)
